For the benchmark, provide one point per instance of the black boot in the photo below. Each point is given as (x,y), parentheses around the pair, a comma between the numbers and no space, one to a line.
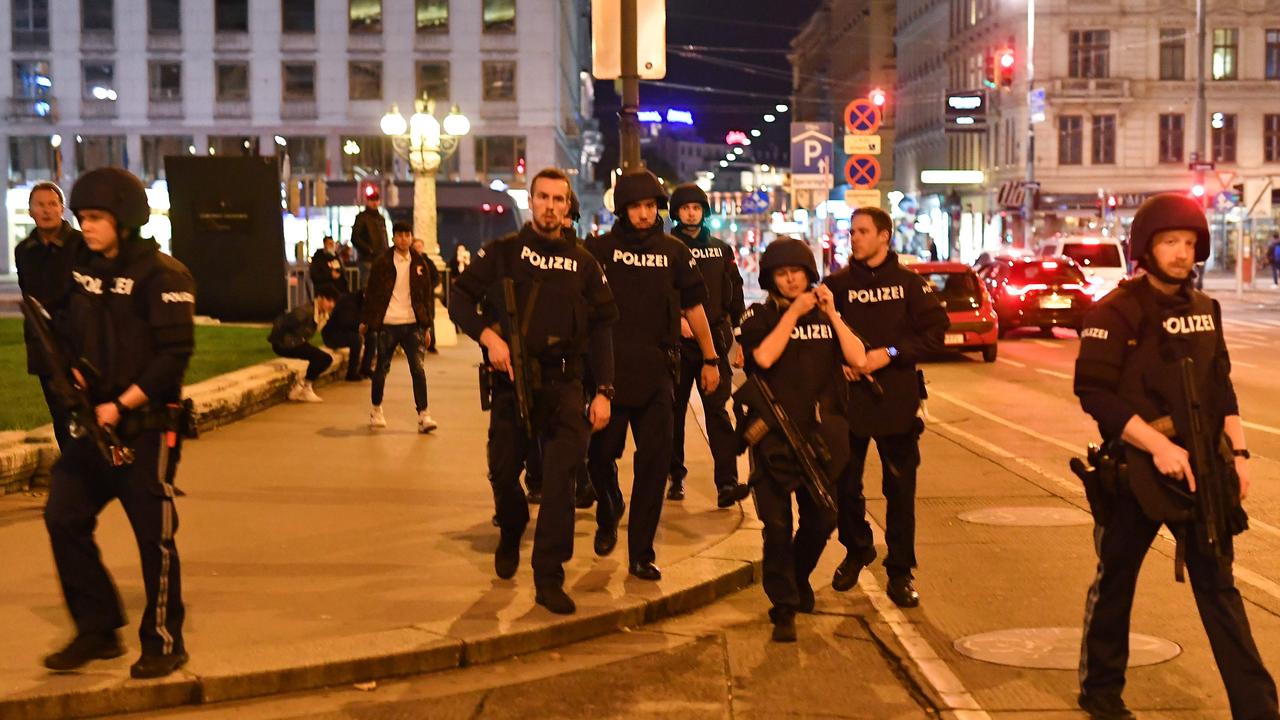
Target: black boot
(86,647)
(585,496)
(676,490)
(846,575)
(1104,707)
(506,559)
(784,624)
(730,495)
(646,571)
(554,598)
(156,665)
(807,601)
(903,592)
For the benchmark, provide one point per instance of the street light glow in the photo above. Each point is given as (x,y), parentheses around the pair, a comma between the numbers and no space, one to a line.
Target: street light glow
(780,107)
(724,163)
(455,123)
(281,141)
(755,133)
(393,123)
(769,117)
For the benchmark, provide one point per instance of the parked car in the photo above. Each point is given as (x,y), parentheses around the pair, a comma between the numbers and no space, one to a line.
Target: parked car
(1102,260)
(1038,292)
(974,326)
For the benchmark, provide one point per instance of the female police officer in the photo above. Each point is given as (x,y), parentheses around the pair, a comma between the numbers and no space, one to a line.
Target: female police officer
(131,317)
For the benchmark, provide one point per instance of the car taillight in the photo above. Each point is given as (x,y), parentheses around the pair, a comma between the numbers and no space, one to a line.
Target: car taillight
(1022,290)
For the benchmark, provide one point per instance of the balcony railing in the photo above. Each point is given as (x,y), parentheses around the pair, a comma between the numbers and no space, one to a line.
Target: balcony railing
(95,108)
(165,108)
(164,40)
(1089,88)
(231,41)
(97,40)
(231,109)
(298,42)
(26,108)
(298,109)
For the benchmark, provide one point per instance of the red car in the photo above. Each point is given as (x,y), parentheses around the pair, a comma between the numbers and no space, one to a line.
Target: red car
(974,326)
(1038,292)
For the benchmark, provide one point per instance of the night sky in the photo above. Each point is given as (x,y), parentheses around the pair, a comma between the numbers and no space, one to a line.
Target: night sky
(761,31)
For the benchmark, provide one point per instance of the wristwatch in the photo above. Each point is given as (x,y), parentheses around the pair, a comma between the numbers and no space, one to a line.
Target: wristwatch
(120,408)
(710,361)
(607,391)
(1241,453)
(892,351)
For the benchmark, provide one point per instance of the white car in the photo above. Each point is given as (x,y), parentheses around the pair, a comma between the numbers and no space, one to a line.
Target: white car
(1101,259)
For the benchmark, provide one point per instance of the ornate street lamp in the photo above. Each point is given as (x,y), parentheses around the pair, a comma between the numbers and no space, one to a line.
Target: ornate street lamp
(422,142)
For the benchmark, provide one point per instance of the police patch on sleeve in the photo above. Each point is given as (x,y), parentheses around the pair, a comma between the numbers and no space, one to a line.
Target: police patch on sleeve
(1094,333)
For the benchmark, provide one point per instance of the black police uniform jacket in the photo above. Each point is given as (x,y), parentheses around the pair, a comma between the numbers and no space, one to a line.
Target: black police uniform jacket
(44,273)
(369,235)
(573,308)
(132,318)
(725,302)
(323,265)
(806,379)
(889,306)
(382,282)
(1131,347)
(654,277)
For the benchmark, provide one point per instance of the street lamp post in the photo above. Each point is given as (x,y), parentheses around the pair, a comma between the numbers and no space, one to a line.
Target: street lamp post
(426,143)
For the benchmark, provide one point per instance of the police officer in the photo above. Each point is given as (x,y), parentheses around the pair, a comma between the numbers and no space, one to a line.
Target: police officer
(899,318)
(566,328)
(797,342)
(44,261)
(723,307)
(656,282)
(1127,378)
(132,317)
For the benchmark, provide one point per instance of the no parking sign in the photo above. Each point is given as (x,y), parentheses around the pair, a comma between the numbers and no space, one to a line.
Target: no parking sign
(862,171)
(862,117)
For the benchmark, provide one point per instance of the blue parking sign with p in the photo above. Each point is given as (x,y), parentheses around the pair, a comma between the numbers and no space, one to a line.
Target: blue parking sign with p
(811,148)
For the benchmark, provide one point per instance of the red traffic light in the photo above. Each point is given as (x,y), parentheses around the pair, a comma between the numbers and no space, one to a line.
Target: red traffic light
(1111,201)
(878,97)
(1197,190)
(1006,58)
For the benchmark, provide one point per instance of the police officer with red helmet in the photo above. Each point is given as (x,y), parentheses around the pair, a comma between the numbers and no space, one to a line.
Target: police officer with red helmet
(1128,377)
(132,318)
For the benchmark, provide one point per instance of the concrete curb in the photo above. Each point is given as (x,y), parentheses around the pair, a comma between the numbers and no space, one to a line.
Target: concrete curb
(413,650)
(26,456)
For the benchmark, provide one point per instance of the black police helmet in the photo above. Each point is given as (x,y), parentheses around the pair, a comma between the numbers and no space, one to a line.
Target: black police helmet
(575,207)
(1167,211)
(786,252)
(114,190)
(689,193)
(634,187)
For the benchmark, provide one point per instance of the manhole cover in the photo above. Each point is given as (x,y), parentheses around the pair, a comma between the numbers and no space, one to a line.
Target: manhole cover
(1028,516)
(1055,648)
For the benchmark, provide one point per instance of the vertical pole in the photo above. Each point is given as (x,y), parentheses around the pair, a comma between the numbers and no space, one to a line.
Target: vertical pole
(628,117)
(1199,155)
(1028,200)
(424,213)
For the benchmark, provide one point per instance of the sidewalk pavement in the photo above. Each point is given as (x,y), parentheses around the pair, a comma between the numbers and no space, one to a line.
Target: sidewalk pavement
(319,552)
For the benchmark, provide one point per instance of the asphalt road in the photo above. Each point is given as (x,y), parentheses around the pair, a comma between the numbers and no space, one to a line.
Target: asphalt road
(999,439)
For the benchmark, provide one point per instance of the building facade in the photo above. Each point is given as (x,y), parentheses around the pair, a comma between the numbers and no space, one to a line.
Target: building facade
(128,82)
(1119,122)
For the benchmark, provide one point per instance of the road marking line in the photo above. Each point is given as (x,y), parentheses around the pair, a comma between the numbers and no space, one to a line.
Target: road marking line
(1244,344)
(1261,582)
(1242,363)
(1046,343)
(1001,421)
(959,702)
(1258,426)
(1054,373)
(1245,323)
(1272,323)
(1007,361)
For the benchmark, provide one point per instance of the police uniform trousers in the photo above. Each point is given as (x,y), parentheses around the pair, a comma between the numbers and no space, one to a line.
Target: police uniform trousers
(1121,546)
(899,458)
(720,434)
(563,433)
(533,471)
(651,429)
(789,556)
(82,484)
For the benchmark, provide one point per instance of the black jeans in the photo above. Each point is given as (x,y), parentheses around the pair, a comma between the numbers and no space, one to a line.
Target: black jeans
(563,437)
(82,484)
(788,557)
(651,429)
(1121,547)
(899,458)
(349,339)
(409,337)
(317,360)
(720,434)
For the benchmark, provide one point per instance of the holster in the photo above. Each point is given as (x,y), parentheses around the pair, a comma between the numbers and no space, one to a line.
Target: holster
(1103,473)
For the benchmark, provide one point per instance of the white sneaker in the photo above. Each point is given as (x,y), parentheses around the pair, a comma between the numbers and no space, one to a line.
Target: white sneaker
(376,418)
(309,394)
(295,392)
(425,423)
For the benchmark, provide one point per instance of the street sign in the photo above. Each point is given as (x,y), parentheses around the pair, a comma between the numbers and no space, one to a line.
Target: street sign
(861,144)
(651,39)
(862,171)
(862,198)
(1200,166)
(862,117)
(756,203)
(1035,102)
(966,111)
(812,182)
(811,148)
(1224,200)
(1257,197)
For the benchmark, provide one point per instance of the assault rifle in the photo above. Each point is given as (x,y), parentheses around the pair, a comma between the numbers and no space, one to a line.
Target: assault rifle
(767,414)
(68,382)
(521,364)
(1212,463)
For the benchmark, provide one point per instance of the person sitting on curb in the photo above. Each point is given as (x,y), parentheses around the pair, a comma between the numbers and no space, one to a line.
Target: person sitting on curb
(343,331)
(399,306)
(291,337)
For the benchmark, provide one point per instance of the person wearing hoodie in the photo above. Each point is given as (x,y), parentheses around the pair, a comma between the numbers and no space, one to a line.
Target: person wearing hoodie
(898,316)
(291,334)
(656,283)
(724,306)
(132,316)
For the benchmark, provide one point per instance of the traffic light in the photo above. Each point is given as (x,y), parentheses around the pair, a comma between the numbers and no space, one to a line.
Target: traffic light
(1005,62)
(878,97)
(1198,193)
(520,168)
(990,76)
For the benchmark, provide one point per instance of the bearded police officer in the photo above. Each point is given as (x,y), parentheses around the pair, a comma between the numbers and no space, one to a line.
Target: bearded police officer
(656,282)
(565,312)
(1134,347)
(131,317)
(724,305)
(897,315)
